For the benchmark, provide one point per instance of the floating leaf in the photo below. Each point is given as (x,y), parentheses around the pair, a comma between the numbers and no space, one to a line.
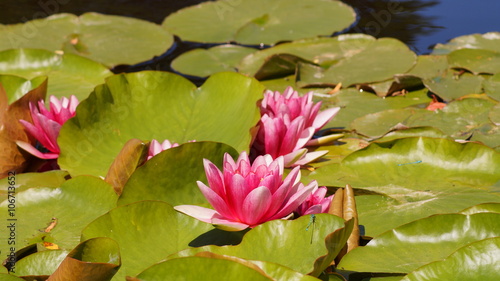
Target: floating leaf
(147,232)
(68,74)
(108,39)
(225,21)
(404,172)
(476,60)
(157,105)
(28,180)
(8,277)
(482,208)
(492,86)
(412,245)
(167,177)
(476,261)
(451,86)
(16,86)
(190,268)
(379,61)
(316,241)
(320,50)
(96,259)
(429,66)
(356,103)
(42,263)
(458,119)
(203,62)
(66,209)
(487,41)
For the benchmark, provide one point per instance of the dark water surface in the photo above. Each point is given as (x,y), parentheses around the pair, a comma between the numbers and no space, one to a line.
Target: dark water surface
(418,23)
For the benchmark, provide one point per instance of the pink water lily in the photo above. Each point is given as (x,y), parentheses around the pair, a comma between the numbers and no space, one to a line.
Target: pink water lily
(155,147)
(287,125)
(316,203)
(47,124)
(246,195)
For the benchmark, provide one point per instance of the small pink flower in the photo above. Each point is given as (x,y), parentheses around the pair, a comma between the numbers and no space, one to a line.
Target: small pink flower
(47,124)
(155,147)
(246,195)
(287,124)
(316,203)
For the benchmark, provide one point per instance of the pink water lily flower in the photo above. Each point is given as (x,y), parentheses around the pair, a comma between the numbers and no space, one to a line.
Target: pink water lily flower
(316,203)
(155,147)
(287,124)
(47,124)
(246,195)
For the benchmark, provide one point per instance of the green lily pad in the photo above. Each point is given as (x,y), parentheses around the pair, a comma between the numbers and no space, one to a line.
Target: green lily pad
(30,180)
(476,60)
(212,269)
(458,119)
(379,61)
(58,214)
(404,172)
(379,123)
(487,41)
(146,232)
(410,246)
(174,186)
(396,163)
(68,74)
(482,208)
(225,21)
(96,259)
(476,261)
(491,86)
(451,86)
(494,115)
(320,50)
(203,62)
(16,86)
(108,39)
(429,66)
(40,263)
(315,242)
(157,105)
(406,204)
(355,103)
(8,277)
(429,132)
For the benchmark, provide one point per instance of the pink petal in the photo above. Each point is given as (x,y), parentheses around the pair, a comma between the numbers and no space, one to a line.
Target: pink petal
(304,137)
(216,201)
(324,117)
(255,205)
(214,177)
(281,195)
(197,212)
(310,157)
(292,158)
(296,199)
(314,209)
(32,150)
(228,225)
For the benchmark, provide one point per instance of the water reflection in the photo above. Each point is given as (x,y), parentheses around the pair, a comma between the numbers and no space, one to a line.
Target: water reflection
(403,20)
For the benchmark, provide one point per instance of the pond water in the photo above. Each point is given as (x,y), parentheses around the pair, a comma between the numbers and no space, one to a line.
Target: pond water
(418,23)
